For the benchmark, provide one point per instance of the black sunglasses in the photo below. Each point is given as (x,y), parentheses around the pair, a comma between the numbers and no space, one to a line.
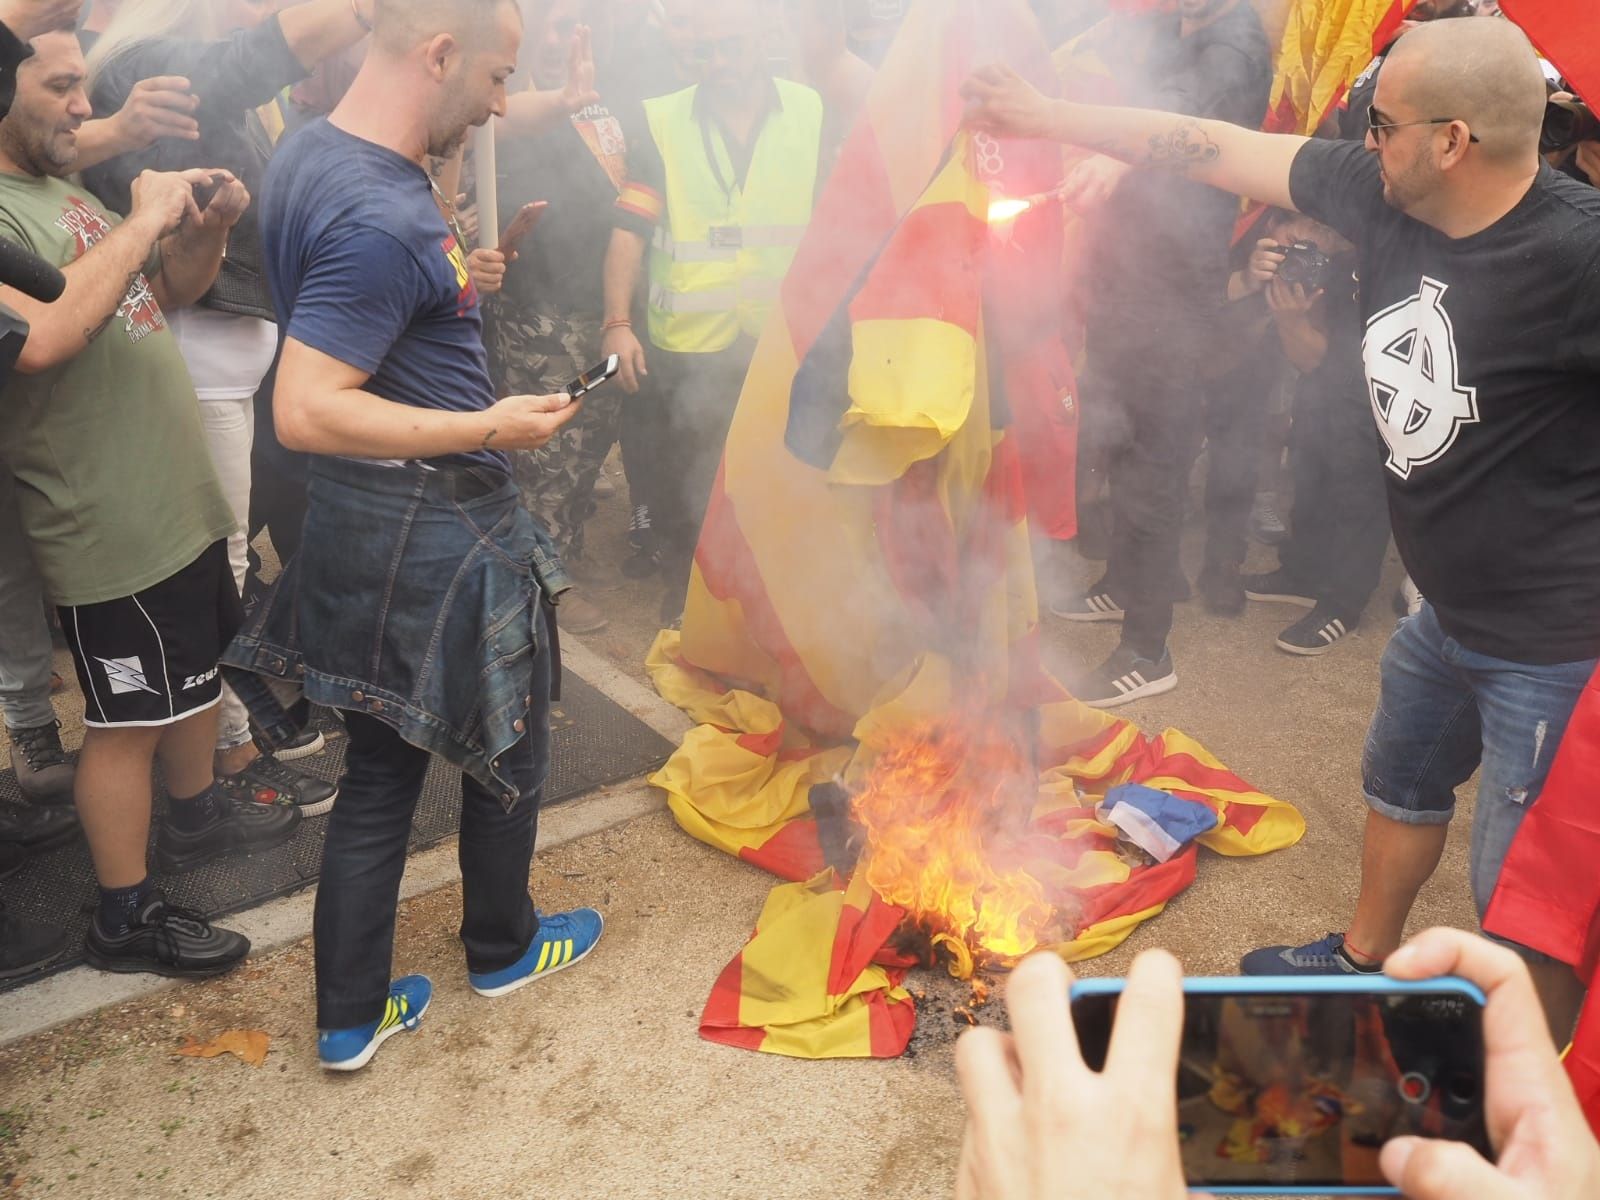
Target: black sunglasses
(1377,125)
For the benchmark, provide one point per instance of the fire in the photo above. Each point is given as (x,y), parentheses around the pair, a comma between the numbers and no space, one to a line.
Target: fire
(946,808)
(1003,209)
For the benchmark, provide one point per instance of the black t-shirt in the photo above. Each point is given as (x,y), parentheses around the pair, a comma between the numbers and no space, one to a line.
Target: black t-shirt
(1157,271)
(1482,359)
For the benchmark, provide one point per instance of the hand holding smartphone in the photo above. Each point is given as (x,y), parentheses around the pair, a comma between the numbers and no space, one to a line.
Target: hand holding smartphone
(593,377)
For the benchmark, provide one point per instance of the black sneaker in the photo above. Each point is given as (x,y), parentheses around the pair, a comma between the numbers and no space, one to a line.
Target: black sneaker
(310,741)
(44,775)
(244,825)
(1278,588)
(1316,633)
(37,830)
(268,781)
(1097,604)
(641,530)
(26,946)
(1222,591)
(1125,677)
(166,940)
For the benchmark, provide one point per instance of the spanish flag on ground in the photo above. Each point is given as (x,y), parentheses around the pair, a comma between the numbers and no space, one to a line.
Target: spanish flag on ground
(864,572)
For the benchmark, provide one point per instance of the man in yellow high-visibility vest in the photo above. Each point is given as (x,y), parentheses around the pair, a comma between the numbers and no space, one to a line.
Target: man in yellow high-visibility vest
(721,180)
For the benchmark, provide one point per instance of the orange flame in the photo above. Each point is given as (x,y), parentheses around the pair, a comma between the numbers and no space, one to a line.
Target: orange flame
(1002,210)
(945,806)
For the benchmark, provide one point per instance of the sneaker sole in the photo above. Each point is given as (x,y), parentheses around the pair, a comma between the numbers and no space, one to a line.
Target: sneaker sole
(122,966)
(1305,651)
(178,866)
(362,1059)
(1156,687)
(1281,598)
(299,752)
(507,988)
(1086,615)
(320,809)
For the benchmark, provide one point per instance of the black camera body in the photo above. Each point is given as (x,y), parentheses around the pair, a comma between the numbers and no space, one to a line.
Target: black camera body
(1566,123)
(1305,264)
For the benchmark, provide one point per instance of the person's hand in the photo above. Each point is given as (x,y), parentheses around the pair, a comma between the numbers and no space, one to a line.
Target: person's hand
(578,93)
(227,204)
(29,18)
(488,270)
(1290,299)
(156,108)
(528,422)
(1263,266)
(621,341)
(1545,1148)
(1041,1124)
(1091,182)
(165,199)
(1003,103)
(1587,157)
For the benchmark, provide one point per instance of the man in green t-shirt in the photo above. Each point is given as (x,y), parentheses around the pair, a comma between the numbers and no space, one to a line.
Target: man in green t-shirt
(115,491)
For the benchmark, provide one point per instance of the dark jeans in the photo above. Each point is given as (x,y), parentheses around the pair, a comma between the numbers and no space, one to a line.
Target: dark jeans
(1340,524)
(1146,418)
(1235,424)
(365,855)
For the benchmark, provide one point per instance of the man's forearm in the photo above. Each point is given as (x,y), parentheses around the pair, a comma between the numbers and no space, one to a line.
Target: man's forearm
(97,284)
(624,258)
(320,29)
(1244,161)
(99,141)
(358,424)
(190,262)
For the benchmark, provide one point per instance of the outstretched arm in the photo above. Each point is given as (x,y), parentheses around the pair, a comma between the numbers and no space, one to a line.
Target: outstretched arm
(1243,161)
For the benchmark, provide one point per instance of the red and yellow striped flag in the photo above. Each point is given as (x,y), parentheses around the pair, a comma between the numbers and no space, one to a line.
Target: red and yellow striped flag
(864,564)
(1326,46)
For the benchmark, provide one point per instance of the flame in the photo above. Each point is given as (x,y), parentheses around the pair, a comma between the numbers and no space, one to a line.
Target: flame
(1006,209)
(945,806)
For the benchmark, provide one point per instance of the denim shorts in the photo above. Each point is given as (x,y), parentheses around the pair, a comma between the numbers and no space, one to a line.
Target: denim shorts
(1443,711)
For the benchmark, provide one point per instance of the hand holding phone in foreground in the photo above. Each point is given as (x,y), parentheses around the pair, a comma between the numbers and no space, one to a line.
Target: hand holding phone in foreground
(1042,1126)
(1545,1148)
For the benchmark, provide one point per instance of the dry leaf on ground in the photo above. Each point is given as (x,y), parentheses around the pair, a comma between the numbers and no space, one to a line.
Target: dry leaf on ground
(247,1045)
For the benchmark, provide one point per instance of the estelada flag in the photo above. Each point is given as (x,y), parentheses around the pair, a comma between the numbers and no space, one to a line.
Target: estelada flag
(864,562)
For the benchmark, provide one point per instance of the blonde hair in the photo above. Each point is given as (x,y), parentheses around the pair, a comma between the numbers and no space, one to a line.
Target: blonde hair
(146,20)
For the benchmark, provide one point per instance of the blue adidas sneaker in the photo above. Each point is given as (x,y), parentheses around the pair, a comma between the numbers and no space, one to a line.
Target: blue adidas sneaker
(352,1049)
(1326,956)
(564,938)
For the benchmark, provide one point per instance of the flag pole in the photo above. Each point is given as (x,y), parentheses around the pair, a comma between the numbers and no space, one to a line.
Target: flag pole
(486,180)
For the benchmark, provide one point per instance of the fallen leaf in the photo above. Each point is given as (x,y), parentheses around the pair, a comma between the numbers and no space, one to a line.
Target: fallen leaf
(247,1045)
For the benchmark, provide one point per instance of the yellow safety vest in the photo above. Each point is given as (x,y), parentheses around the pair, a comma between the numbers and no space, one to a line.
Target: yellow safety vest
(722,250)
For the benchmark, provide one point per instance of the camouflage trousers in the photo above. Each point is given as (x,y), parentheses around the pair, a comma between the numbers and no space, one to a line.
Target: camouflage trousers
(534,353)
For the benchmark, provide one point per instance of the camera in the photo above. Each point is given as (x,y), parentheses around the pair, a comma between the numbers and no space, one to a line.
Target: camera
(1305,264)
(1566,123)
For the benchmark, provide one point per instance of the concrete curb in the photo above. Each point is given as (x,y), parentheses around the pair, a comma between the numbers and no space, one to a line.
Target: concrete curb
(77,993)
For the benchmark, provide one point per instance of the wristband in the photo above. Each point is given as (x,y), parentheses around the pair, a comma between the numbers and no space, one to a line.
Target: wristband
(610,325)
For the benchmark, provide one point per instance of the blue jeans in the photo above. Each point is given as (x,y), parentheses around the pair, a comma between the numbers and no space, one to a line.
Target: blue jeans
(365,855)
(1443,711)
(24,635)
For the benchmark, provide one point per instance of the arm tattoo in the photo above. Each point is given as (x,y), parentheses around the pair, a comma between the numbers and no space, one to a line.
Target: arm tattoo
(1180,148)
(489,437)
(90,335)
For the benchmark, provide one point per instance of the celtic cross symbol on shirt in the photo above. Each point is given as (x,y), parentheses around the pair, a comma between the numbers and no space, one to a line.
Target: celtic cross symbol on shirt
(1413,376)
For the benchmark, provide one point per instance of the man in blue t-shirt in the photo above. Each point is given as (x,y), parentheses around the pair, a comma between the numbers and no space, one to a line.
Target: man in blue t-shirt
(420,603)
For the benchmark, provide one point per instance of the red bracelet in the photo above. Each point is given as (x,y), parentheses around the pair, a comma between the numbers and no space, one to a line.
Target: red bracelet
(609,325)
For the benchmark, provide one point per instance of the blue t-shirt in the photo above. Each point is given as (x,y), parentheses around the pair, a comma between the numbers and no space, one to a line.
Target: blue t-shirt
(364,268)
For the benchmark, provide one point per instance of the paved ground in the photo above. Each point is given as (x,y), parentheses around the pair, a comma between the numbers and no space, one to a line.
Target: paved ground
(594,1083)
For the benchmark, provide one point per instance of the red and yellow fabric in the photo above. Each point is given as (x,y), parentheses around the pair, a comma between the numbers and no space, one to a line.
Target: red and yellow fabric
(1326,46)
(1567,34)
(866,565)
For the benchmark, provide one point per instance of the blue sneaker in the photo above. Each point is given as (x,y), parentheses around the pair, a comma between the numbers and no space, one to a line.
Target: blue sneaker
(564,938)
(1324,957)
(352,1049)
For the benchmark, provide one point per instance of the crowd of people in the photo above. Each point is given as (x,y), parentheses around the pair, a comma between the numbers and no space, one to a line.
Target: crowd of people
(275,320)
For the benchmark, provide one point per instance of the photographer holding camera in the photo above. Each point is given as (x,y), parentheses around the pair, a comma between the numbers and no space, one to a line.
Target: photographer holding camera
(1333,558)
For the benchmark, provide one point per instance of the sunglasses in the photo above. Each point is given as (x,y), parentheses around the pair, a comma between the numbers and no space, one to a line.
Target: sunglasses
(1377,125)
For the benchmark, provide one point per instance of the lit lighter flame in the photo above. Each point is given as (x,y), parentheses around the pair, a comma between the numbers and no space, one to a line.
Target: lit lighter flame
(1001,211)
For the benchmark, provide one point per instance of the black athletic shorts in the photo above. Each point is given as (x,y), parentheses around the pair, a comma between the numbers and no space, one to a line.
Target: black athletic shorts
(151,658)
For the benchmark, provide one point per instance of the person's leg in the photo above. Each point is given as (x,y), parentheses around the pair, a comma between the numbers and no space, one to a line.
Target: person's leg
(112,794)
(363,860)
(1303,556)
(1358,504)
(1236,413)
(229,429)
(498,922)
(1525,714)
(1425,741)
(24,634)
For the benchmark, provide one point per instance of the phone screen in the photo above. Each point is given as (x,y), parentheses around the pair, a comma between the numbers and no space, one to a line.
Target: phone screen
(594,377)
(1301,1090)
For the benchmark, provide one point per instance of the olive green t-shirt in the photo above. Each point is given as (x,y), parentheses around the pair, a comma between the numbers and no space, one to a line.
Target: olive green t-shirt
(114,482)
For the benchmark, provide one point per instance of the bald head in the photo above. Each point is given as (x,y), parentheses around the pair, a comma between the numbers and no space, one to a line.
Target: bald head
(1482,72)
(402,25)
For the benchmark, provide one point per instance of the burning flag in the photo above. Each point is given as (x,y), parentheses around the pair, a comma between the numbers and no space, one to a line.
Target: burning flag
(862,619)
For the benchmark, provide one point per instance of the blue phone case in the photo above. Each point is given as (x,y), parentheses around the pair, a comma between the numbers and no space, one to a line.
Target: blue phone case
(1297,985)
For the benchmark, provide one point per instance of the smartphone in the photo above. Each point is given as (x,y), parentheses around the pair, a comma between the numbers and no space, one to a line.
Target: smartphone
(594,377)
(521,226)
(205,193)
(1291,1086)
